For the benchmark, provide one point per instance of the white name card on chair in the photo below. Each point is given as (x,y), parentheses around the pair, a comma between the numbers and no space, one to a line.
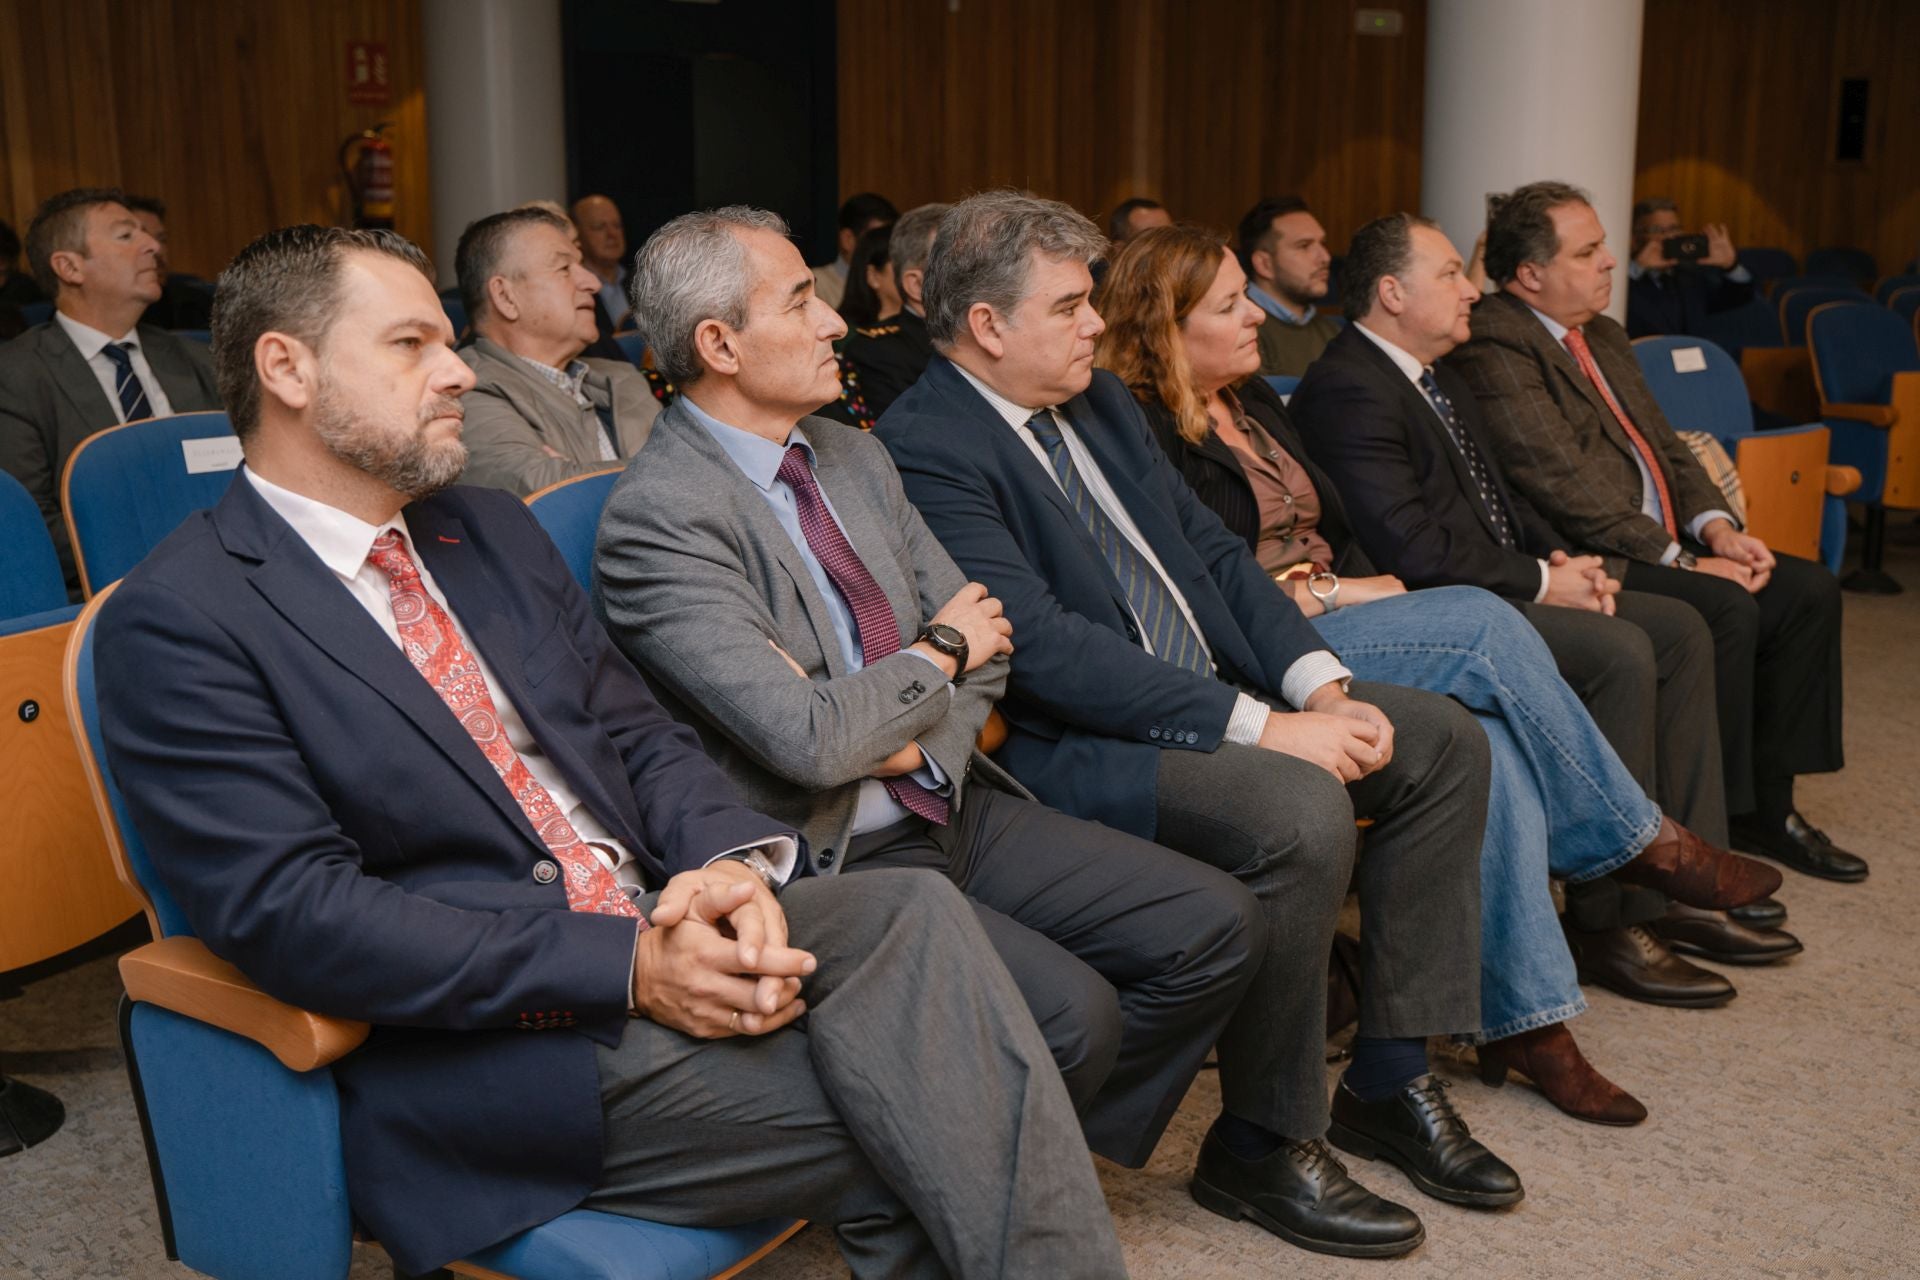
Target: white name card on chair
(215,453)
(1689,360)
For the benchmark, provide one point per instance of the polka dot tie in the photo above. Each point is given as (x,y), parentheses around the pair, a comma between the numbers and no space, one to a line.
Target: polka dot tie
(433,646)
(1476,463)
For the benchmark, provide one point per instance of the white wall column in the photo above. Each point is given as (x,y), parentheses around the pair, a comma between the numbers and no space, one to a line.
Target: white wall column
(496,118)
(1520,90)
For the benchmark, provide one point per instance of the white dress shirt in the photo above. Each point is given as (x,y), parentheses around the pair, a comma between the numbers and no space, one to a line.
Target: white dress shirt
(93,345)
(1649,494)
(1308,672)
(342,542)
(1403,360)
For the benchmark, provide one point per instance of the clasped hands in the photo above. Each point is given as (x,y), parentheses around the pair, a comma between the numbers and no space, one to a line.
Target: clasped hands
(1580,582)
(1737,557)
(716,962)
(1348,738)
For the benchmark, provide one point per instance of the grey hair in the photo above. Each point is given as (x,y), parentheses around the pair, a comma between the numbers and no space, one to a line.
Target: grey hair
(1520,227)
(912,240)
(984,249)
(692,270)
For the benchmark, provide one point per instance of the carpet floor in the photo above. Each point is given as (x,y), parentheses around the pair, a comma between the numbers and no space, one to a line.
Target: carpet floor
(1784,1139)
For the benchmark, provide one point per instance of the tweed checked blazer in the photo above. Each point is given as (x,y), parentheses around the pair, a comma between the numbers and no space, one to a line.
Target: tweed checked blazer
(698,581)
(1559,444)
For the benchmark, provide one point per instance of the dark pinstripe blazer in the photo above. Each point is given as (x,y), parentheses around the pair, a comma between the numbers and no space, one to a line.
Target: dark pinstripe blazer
(1559,444)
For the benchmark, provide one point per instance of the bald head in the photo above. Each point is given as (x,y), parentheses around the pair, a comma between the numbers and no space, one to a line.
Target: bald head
(603,237)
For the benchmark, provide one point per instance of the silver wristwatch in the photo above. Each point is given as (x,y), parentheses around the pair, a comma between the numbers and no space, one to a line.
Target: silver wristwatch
(1325,588)
(758,864)
(1685,560)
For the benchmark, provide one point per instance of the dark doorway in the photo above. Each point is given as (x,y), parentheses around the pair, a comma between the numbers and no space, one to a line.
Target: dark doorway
(687,104)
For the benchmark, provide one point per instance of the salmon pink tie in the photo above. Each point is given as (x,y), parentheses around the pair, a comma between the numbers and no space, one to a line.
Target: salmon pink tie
(437,652)
(872,615)
(1583,356)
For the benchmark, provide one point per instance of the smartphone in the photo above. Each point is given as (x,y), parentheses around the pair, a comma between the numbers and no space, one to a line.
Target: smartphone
(1684,248)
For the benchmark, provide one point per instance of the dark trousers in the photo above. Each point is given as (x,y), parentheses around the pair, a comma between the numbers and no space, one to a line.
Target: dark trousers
(1131,957)
(1285,828)
(1776,669)
(1646,676)
(913,1108)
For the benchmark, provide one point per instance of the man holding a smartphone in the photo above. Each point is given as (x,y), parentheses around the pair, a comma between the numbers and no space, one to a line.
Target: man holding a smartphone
(1676,280)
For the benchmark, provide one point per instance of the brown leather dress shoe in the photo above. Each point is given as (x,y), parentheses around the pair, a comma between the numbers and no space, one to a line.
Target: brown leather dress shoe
(1716,936)
(1549,1057)
(1638,965)
(1687,869)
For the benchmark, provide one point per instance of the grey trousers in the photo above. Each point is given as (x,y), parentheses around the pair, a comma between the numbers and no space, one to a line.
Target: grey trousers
(1131,957)
(914,1108)
(1285,829)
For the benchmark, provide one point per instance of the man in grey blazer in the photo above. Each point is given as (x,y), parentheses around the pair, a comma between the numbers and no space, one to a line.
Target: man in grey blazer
(765,568)
(539,413)
(94,365)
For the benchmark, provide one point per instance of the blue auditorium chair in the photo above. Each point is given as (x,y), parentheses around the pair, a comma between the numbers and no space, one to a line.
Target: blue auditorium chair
(570,513)
(1797,303)
(126,488)
(1905,303)
(456,310)
(36,312)
(633,344)
(1866,368)
(1884,291)
(1795,500)
(1766,265)
(242,1118)
(1856,265)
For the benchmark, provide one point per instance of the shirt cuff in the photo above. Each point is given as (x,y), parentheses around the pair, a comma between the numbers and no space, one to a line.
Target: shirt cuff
(930,775)
(782,851)
(1541,598)
(1308,673)
(1705,518)
(1739,274)
(1248,721)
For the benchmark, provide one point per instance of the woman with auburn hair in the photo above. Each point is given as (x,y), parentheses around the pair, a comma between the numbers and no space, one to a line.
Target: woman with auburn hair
(1181,333)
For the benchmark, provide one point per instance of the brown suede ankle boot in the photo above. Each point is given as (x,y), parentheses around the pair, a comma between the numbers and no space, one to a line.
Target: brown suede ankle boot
(1549,1058)
(1687,869)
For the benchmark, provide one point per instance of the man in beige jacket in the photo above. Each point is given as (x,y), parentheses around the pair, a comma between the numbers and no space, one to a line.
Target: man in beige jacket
(539,413)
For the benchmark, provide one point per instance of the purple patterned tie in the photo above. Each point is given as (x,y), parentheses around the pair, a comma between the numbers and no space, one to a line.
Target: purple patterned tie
(872,615)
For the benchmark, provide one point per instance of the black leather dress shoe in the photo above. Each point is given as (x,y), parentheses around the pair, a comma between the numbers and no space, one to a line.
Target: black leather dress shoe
(1768,913)
(1419,1130)
(1637,965)
(1802,846)
(1304,1195)
(1712,935)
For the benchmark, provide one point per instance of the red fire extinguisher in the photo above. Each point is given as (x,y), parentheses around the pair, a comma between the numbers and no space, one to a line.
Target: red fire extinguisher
(369,176)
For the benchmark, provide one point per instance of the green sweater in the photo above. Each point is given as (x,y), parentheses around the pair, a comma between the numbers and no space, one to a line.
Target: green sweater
(1287,349)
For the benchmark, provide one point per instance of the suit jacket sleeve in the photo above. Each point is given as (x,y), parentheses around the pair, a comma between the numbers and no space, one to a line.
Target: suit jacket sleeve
(1356,432)
(673,580)
(241,835)
(1064,664)
(1532,436)
(27,440)
(185,370)
(504,451)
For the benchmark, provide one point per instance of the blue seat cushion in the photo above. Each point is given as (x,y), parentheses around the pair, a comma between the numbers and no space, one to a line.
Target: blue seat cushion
(605,1246)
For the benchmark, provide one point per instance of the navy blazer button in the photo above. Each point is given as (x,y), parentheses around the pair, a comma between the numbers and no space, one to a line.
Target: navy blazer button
(1154,733)
(545,872)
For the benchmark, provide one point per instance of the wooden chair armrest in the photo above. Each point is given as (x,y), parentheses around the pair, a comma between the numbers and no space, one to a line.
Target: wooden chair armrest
(1842,481)
(993,734)
(1874,415)
(181,975)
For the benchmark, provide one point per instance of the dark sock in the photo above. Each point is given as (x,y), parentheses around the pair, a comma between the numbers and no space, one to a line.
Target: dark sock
(1381,1066)
(1245,1138)
(1773,802)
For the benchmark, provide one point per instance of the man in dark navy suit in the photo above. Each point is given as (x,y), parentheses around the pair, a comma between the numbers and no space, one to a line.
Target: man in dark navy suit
(390,766)
(1163,684)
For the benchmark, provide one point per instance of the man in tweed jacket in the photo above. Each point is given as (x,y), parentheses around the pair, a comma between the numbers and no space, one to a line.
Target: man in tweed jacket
(1575,428)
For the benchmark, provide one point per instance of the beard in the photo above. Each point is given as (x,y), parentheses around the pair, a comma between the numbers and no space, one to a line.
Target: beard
(408,463)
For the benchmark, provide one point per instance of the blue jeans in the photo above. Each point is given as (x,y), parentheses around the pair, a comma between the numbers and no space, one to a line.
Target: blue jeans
(1561,803)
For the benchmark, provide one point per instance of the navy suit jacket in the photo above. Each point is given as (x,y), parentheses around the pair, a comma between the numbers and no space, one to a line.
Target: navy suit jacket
(1414,502)
(1089,709)
(327,826)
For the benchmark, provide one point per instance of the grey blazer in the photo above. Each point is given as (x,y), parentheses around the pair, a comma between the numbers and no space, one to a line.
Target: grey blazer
(514,416)
(697,582)
(50,401)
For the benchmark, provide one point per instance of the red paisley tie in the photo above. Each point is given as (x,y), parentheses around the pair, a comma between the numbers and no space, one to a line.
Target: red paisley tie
(437,652)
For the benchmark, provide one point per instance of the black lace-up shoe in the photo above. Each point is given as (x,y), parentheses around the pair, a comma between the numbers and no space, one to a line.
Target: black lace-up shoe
(1303,1194)
(1419,1129)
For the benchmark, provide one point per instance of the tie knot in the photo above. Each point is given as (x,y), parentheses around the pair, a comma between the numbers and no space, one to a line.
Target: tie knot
(1045,429)
(389,555)
(796,468)
(1576,341)
(121,353)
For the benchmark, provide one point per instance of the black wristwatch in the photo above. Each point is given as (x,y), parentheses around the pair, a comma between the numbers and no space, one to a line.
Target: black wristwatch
(950,641)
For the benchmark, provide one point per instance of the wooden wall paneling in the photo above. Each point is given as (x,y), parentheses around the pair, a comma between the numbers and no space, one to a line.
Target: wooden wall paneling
(230,111)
